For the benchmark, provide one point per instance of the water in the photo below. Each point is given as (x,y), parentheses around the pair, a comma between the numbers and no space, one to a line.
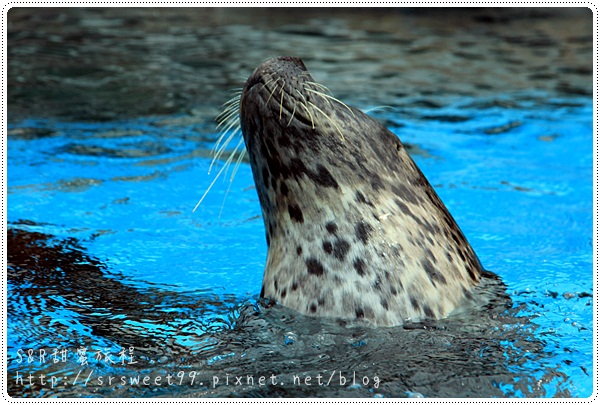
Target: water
(105,253)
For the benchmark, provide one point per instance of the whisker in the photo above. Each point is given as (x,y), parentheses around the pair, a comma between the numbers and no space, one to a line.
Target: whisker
(236,166)
(232,128)
(281,101)
(226,117)
(236,97)
(292,117)
(235,100)
(268,82)
(231,105)
(219,152)
(227,163)
(330,120)
(319,85)
(229,124)
(378,108)
(326,96)
(307,109)
(272,91)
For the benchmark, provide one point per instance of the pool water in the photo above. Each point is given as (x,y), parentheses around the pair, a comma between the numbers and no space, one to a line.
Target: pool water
(105,255)
(120,195)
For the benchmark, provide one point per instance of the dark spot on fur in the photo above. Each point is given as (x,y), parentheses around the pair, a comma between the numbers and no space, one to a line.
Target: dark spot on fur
(455,237)
(331,227)
(376,182)
(407,211)
(362,199)
(270,146)
(296,213)
(296,169)
(266,176)
(263,149)
(428,312)
(313,308)
(299,250)
(437,202)
(323,177)
(429,254)
(467,293)
(421,180)
(434,275)
(384,304)
(321,301)
(363,231)
(271,228)
(404,193)
(360,313)
(393,290)
(283,189)
(414,303)
(378,285)
(314,267)
(340,249)
(283,293)
(431,228)
(403,207)
(283,141)
(294,286)
(275,285)
(359,266)
(327,247)
(471,272)
(448,221)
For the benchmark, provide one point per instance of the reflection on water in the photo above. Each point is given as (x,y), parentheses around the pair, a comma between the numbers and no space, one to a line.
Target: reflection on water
(71,303)
(106,165)
(103,64)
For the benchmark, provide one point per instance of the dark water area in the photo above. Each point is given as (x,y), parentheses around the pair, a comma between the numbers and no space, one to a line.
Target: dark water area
(202,341)
(106,64)
(110,130)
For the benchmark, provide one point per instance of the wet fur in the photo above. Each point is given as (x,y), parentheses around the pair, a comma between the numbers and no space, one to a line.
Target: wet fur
(354,228)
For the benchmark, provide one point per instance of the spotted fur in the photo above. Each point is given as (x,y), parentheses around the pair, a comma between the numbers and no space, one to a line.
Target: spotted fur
(354,228)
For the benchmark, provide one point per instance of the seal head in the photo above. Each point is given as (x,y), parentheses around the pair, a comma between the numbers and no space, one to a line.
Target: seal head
(354,229)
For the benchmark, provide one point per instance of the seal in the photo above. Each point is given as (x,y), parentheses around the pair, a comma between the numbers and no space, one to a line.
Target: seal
(354,229)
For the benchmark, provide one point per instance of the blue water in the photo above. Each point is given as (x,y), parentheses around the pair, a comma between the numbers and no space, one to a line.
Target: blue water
(517,177)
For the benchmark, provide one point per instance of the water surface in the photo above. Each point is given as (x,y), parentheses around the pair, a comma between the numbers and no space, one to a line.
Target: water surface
(109,136)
